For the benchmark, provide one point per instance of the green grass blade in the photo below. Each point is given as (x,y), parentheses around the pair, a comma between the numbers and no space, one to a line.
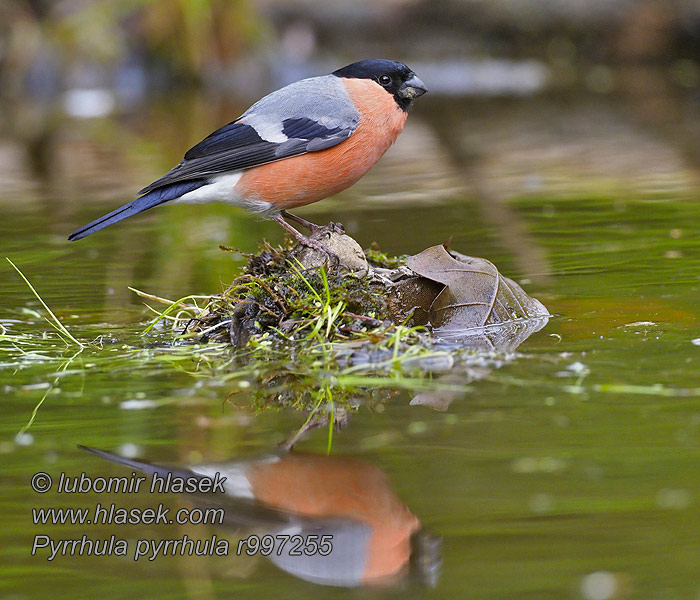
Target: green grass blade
(59,326)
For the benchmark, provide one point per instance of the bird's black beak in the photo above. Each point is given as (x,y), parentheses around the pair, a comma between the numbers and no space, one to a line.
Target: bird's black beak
(412,88)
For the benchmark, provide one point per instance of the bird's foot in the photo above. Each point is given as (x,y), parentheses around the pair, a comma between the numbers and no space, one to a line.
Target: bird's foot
(312,227)
(335,227)
(320,247)
(309,242)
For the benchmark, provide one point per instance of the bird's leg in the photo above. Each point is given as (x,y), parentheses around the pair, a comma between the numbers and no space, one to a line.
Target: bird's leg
(306,241)
(312,227)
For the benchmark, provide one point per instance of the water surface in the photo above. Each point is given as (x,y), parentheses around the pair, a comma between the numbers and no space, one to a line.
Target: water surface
(570,471)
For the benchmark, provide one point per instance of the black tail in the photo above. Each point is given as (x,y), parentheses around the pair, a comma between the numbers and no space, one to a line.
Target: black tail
(141,465)
(154,198)
(116,215)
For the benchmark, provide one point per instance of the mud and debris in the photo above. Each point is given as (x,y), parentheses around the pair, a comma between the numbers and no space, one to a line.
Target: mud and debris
(354,295)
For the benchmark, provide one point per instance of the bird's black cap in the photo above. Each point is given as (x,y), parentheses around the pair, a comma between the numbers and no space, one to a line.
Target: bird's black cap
(373,68)
(397,78)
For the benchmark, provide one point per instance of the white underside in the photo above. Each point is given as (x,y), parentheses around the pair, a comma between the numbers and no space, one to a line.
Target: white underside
(221,189)
(237,483)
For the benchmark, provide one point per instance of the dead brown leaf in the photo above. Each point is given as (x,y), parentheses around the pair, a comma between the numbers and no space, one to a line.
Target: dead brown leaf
(475,294)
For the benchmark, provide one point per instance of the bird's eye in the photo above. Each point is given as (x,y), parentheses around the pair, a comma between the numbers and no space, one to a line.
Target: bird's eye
(384,80)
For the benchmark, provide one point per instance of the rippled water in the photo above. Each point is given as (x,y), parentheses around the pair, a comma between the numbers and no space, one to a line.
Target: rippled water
(569,469)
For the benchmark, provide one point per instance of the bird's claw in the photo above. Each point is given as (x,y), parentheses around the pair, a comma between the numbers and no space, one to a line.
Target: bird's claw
(336,227)
(316,232)
(321,247)
(332,227)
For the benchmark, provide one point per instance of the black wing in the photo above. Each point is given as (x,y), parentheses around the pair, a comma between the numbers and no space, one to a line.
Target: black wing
(239,146)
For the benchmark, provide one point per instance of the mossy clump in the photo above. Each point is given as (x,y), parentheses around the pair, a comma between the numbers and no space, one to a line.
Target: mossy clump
(362,302)
(277,294)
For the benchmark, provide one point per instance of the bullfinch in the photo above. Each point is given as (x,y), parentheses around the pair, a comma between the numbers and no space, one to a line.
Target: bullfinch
(371,537)
(297,145)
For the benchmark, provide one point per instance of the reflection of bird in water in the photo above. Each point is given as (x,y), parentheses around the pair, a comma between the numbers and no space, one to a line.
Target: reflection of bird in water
(298,145)
(375,538)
